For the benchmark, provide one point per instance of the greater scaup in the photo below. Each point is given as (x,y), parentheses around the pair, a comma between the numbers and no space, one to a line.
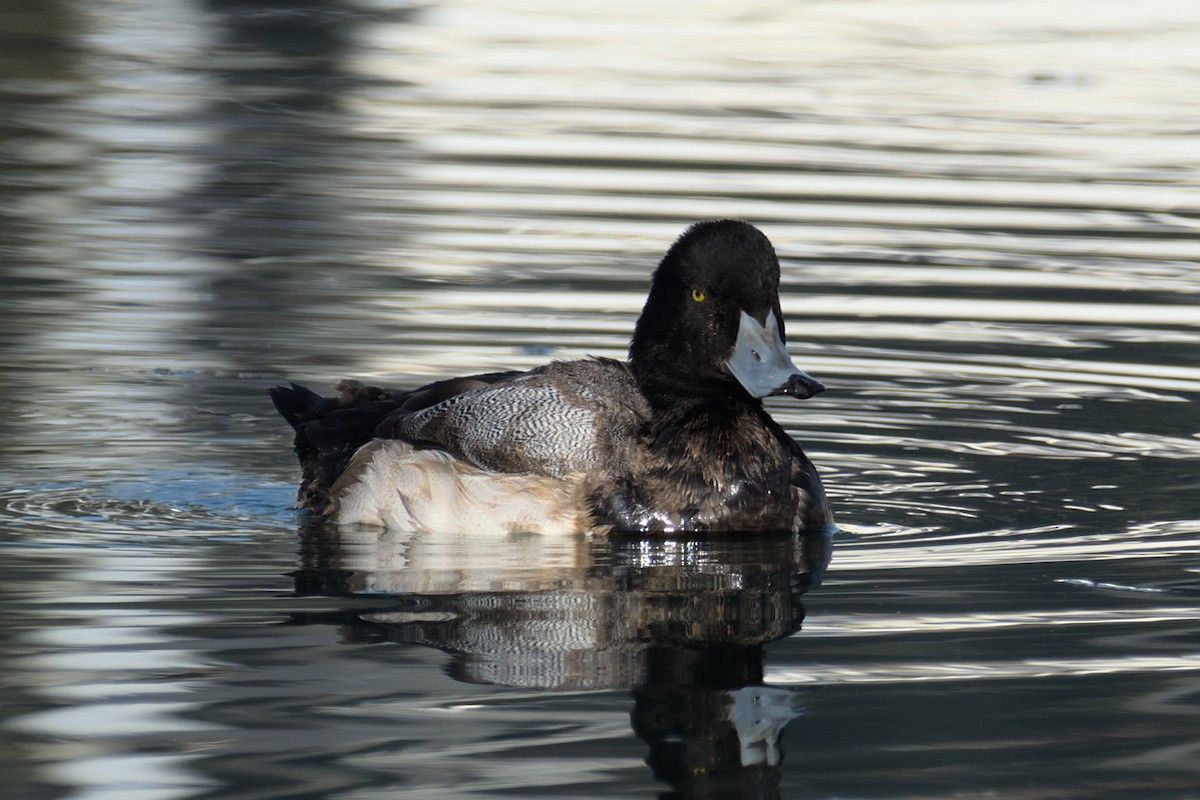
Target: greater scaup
(676,439)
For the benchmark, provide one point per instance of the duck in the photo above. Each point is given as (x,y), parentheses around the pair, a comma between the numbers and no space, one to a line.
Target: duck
(673,440)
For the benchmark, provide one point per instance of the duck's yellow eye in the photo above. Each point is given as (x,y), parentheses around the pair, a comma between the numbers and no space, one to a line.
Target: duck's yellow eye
(698,295)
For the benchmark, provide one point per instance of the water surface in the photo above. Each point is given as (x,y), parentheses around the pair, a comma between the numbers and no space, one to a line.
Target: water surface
(989,226)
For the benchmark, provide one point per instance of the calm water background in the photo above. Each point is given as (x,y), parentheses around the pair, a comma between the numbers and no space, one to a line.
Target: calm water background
(988,215)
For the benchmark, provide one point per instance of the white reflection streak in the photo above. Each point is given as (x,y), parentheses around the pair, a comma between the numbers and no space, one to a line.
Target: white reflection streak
(857,626)
(981,670)
(1102,547)
(131,777)
(925,189)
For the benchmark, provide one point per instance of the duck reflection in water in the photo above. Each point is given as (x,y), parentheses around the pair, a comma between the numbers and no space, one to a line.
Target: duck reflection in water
(681,623)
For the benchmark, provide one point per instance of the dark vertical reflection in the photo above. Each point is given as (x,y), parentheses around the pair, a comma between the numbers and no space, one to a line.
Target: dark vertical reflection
(38,69)
(283,207)
(680,623)
(35,63)
(712,727)
(34,60)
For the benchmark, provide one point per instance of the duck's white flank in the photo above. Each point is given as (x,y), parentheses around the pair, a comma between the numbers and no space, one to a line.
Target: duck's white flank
(391,483)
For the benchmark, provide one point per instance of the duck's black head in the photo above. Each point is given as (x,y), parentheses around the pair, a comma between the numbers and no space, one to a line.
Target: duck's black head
(712,325)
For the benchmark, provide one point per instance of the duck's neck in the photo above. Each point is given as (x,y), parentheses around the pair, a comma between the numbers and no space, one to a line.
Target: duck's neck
(692,428)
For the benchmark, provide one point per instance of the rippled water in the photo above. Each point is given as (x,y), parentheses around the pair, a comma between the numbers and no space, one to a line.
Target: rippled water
(989,221)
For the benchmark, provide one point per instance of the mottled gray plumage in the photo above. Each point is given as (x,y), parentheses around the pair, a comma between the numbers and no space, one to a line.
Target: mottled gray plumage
(564,418)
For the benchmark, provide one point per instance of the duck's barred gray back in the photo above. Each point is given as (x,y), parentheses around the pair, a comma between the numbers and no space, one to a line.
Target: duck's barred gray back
(528,427)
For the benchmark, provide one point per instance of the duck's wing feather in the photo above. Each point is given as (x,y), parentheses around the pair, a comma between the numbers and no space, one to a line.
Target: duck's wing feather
(564,418)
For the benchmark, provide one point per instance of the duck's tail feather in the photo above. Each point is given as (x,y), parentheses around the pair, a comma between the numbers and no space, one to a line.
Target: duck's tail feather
(329,430)
(299,404)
